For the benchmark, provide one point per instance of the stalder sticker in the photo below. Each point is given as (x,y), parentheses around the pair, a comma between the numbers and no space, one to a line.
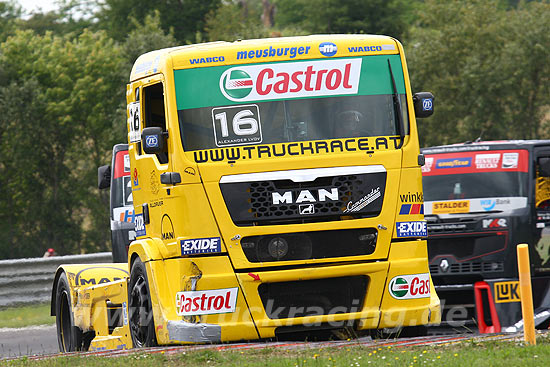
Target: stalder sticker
(447,207)
(206,302)
(291,80)
(410,286)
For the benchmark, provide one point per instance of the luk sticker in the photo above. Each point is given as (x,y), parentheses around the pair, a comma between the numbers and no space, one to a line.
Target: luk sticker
(201,246)
(237,125)
(507,292)
(410,286)
(206,302)
(411,229)
(447,207)
(291,80)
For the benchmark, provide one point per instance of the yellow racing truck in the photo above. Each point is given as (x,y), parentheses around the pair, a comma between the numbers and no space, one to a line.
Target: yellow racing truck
(276,189)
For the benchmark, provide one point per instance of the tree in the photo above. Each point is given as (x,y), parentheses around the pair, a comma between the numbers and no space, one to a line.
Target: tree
(60,99)
(185,18)
(486,66)
(345,16)
(9,12)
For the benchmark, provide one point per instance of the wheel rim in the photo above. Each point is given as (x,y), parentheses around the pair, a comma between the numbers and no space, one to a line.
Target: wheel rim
(140,308)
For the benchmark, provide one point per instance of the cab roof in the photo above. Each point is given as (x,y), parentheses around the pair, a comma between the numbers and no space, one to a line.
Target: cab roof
(237,52)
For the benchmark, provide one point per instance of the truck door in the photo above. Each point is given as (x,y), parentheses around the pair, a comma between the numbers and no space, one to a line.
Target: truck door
(541,164)
(146,109)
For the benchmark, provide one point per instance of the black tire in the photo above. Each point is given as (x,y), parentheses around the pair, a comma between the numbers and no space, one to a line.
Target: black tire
(142,324)
(69,337)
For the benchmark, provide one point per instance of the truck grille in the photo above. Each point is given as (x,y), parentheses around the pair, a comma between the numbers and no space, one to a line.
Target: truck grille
(323,199)
(310,245)
(313,297)
(469,267)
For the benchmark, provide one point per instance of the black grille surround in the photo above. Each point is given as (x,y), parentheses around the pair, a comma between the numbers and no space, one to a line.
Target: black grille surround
(283,201)
(310,245)
(315,297)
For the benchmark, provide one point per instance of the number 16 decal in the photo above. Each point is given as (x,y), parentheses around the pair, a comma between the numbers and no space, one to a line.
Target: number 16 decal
(237,125)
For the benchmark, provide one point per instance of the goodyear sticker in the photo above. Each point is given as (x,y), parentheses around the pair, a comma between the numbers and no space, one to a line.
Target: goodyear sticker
(447,207)
(507,292)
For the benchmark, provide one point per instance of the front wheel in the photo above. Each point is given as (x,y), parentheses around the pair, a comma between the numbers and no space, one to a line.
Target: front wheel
(142,325)
(69,337)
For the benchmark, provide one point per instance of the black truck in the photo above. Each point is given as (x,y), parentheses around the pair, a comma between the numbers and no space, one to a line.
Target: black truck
(117,177)
(482,199)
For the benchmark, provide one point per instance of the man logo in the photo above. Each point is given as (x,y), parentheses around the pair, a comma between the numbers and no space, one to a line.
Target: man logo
(236,83)
(328,49)
(167,228)
(307,209)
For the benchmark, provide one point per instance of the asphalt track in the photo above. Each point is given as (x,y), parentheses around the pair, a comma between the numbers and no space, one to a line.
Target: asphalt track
(35,347)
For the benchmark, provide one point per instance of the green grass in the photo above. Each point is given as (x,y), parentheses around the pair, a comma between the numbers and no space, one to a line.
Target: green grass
(468,354)
(16,317)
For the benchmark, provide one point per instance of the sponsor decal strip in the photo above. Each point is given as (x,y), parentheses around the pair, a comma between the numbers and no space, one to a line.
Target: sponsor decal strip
(368,145)
(472,162)
(475,205)
(230,85)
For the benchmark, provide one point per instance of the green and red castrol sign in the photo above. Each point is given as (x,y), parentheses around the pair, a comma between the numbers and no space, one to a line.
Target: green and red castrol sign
(410,286)
(237,84)
(291,80)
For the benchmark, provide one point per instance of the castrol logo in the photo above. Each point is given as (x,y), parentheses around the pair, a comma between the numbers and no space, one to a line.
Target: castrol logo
(410,286)
(291,80)
(206,302)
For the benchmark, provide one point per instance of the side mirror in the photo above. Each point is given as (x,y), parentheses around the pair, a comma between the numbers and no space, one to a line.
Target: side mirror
(544,166)
(423,104)
(104,177)
(153,140)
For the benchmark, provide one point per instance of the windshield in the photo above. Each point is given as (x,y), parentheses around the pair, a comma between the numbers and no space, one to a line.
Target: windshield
(474,186)
(493,174)
(289,102)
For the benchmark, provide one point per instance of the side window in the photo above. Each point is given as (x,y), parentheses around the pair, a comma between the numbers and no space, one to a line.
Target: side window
(154,115)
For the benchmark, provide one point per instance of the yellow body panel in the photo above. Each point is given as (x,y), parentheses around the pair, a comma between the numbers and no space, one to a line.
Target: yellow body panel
(217,296)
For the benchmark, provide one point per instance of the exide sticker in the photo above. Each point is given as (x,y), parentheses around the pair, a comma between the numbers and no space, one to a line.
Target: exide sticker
(410,286)
(201,246)
(206,302)
(411,229)
(291,80)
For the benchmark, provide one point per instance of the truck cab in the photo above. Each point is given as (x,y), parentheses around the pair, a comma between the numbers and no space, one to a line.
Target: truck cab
(482,199)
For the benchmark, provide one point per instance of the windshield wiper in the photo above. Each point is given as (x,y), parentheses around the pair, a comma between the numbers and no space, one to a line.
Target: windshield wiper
(397,110)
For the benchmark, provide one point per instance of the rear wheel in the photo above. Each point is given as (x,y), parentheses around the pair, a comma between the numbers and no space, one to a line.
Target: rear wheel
(69,337)
(142,325)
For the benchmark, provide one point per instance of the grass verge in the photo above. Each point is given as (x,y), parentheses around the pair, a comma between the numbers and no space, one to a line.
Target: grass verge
(16,317)
(467,353)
